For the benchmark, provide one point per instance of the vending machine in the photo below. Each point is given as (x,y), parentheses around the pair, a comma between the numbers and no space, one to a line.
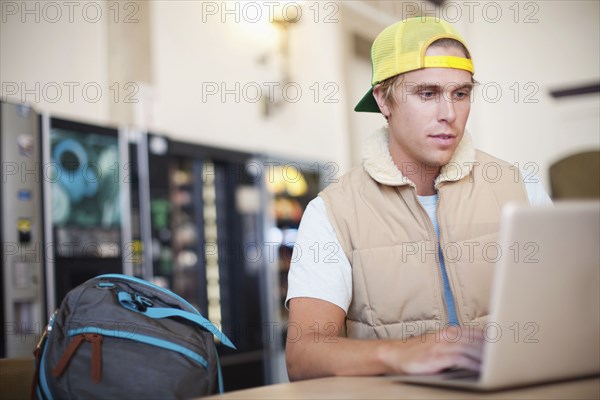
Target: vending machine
(201,238)
(87,212)
(22,251)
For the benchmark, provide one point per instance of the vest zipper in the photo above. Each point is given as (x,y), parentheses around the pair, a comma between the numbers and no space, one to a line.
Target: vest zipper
(440,252)
(444,307)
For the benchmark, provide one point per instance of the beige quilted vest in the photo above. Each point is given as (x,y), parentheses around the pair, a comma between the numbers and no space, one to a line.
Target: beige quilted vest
(392,247)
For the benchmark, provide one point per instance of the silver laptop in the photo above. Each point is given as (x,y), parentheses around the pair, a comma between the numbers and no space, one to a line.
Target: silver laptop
(545,301)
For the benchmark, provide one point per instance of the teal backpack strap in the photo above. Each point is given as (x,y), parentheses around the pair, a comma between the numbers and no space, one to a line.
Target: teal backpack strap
(159,312)
(219,373)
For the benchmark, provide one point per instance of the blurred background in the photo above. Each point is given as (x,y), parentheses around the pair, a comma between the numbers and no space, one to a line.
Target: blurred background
(202,71)
(180,141)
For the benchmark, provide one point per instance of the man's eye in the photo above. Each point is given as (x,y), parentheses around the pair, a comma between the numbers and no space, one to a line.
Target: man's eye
(461,94)
(427,94)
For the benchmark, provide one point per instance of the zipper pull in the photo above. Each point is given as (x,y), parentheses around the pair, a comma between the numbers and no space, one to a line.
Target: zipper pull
(96,341)
(63,363)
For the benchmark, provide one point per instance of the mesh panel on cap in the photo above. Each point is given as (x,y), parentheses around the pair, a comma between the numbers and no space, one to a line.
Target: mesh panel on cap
(383,54)
(400,47)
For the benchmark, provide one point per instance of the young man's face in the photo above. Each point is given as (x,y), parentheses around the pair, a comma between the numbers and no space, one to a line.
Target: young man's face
(427,120)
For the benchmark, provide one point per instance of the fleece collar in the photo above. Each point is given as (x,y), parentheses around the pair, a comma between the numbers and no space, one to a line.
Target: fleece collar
(378,162)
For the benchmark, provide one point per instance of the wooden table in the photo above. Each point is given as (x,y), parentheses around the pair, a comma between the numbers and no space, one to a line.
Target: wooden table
(388,388)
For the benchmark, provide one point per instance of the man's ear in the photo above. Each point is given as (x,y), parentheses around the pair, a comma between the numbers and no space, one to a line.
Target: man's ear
(378,94)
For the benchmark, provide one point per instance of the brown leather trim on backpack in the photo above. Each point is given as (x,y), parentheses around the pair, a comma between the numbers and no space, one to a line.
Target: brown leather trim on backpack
(96,341)
(37,354)
(67,355)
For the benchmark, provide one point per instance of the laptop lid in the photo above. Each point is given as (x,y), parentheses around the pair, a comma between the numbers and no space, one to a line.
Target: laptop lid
(544,319)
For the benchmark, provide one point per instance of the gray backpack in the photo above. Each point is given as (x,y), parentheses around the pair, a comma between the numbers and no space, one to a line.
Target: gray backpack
(116,336)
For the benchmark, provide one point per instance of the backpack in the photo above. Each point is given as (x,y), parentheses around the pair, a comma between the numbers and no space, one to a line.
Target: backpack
(116,336)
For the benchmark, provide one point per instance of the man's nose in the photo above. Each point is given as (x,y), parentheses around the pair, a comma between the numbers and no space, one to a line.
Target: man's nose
(446,108)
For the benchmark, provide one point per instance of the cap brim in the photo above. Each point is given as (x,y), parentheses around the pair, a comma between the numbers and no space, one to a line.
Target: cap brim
(367,103)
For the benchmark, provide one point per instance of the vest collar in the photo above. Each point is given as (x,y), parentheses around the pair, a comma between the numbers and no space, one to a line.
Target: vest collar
(378,163)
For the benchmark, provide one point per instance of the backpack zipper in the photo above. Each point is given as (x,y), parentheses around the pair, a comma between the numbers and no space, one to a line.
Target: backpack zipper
(42,390)
(149,340)
(150,285)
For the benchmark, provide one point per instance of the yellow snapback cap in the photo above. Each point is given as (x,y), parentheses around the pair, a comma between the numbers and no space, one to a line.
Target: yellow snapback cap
(401,48)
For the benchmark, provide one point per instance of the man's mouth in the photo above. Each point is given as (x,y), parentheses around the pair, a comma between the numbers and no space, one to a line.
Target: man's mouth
(443,136)
(444,140)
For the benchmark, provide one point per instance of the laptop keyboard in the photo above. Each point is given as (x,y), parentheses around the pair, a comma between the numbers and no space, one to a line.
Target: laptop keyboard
(459,374)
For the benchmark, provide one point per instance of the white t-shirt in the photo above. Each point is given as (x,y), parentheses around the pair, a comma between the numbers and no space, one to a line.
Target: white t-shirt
(319,267)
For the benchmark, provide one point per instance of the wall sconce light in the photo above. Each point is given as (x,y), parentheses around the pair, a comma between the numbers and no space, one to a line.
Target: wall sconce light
(289,15)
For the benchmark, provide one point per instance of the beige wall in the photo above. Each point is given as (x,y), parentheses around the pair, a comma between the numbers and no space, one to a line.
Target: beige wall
(557,49)
(224,57)
(192,50)
(49,49)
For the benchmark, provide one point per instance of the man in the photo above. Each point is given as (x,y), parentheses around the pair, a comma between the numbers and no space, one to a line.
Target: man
(402,248)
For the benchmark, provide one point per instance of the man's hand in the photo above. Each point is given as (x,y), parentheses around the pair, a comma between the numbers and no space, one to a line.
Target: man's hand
(453,347)
(317,350)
